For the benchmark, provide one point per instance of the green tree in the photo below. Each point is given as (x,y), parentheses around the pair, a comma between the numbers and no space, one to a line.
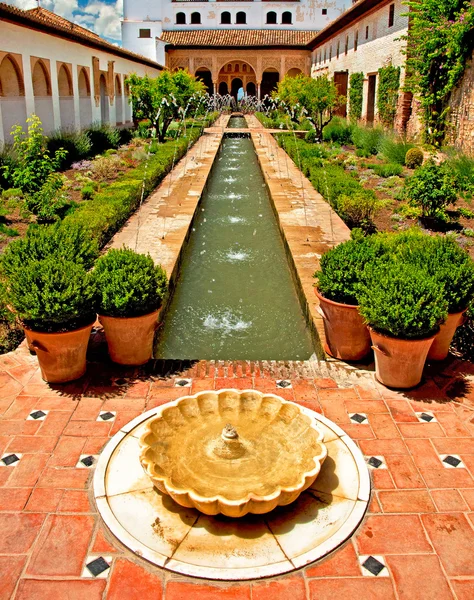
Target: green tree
(164,98)
(315,97)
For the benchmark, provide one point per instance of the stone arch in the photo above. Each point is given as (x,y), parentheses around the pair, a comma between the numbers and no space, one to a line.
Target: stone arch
(236,84)
(224,64)
(223,89)
(293,72)
(64,81)
(270,79)
(180,18)
(85,100)
(104,99)
(12,95)
(241,18)
(195,18)
(226,18)
(204,74)
(42,94)
(251,89)
(118,100)
(66,100)
(271,17)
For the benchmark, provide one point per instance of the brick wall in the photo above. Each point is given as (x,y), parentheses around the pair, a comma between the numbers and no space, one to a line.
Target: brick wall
(461,130)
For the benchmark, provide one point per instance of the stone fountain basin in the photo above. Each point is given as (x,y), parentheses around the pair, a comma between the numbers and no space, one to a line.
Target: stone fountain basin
(185,453)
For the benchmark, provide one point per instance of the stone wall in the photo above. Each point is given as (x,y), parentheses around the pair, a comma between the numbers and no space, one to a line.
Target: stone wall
(461,130)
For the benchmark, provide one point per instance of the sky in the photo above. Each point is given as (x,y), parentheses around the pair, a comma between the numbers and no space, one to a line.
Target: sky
(101,16)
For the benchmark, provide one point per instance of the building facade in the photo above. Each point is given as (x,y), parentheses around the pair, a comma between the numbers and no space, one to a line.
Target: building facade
(67,75)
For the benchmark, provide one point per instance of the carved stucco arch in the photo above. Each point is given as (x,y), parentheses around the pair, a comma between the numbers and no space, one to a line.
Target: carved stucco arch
(227,60)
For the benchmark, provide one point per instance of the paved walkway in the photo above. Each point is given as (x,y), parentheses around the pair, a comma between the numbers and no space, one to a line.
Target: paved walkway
(421,519)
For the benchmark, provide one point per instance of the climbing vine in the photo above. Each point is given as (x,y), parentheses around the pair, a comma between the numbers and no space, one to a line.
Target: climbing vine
(440,42)
(387,96)
(356,85)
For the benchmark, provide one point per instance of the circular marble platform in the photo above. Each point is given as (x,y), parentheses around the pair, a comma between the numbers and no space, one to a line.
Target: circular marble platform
(183,540)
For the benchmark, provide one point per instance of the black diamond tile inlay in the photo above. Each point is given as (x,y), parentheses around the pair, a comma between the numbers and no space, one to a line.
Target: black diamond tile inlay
(452,460)
(87,461)
(37,414)
(10,459)
(107,416)
(121,381)
(373,565)
(358,418)
(284,384)
(374,462)
(98,566)
(182,382)
(426,417)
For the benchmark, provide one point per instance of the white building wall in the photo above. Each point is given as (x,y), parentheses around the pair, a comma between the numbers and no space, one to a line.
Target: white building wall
(161,16)
(381,47)
(17,40)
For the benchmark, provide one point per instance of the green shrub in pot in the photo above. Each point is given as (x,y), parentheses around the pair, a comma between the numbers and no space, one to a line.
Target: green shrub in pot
(131,289)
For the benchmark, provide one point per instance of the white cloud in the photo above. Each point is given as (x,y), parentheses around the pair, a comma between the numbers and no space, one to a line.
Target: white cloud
(99,16)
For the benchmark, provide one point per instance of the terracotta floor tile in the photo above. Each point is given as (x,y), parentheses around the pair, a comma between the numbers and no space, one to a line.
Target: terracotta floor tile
(57,477)
(447,478)
(453,539)
(452,425)
(28,470)
(419,578)
(404,472)
(238,383)
(382,479)
(118,404)
(358,432)
(200,385)
(44,500)
(87,429)
(167,394)
(383,447)
(401,411)
(406,501)
(342,563)
(383,426)
(334,410)
(74,501)
(130,581)
(62,546)
(423,453)
(94,445)
(54,423)
(87,409)
(468,496)
(177,590)
(30,589)
(263,385)
(368,392)
(33,443)
(122,418)
(282,589)
(366,588)
(138,389)
(464,589)
(392,534)
(10,571)
(21,408)
(67,451)
(101,544)
(338,394)
(449,501)
(63,404)
(10,427)
(454,445)
(374,506)
(325,382)
(421,430)
(13,499)
(19,531)
(366,406)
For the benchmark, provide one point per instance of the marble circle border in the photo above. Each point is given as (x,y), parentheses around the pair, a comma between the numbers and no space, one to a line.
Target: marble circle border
(348,528)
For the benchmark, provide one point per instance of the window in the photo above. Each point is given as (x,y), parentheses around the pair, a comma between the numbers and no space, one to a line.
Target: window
(337,51)
(144,33)
(271,18)
(367,32)
(330,53)
(356,41)
(325,55)
(391,15)
(286,18)
(195,18)
(180,19)
(244,68)
(225,18)
(241,18)
(346,47)
(324,11)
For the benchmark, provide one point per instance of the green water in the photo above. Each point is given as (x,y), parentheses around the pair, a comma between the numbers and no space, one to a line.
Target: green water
(237,123)
(235,298)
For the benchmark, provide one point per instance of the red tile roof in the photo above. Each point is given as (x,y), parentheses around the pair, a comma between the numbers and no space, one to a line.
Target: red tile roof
(237,37)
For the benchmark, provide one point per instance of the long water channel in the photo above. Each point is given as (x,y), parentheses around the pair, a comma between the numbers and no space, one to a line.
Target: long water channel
(235,298)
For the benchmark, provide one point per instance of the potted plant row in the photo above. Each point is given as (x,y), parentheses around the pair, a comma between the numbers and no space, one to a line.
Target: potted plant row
(407,287)
(51,288)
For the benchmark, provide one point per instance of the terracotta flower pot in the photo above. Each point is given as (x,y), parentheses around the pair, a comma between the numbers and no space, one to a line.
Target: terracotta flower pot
(61,356)
(440,347)
(399,363)
(347,336)
(130,339)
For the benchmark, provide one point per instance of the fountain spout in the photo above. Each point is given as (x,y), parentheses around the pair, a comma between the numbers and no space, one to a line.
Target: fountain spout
(229,446)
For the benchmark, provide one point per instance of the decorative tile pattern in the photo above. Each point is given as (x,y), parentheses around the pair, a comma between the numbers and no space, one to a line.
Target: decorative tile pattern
(87,461)
(451,461)
(373,566)
(97,566)
(376,462)
(10,460)
(108,415)
(182,382)
(358,418)
(283,384)
(37,415)
(426,417)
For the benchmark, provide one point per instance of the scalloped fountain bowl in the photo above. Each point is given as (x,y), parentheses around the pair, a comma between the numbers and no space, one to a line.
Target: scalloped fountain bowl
(232,452)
